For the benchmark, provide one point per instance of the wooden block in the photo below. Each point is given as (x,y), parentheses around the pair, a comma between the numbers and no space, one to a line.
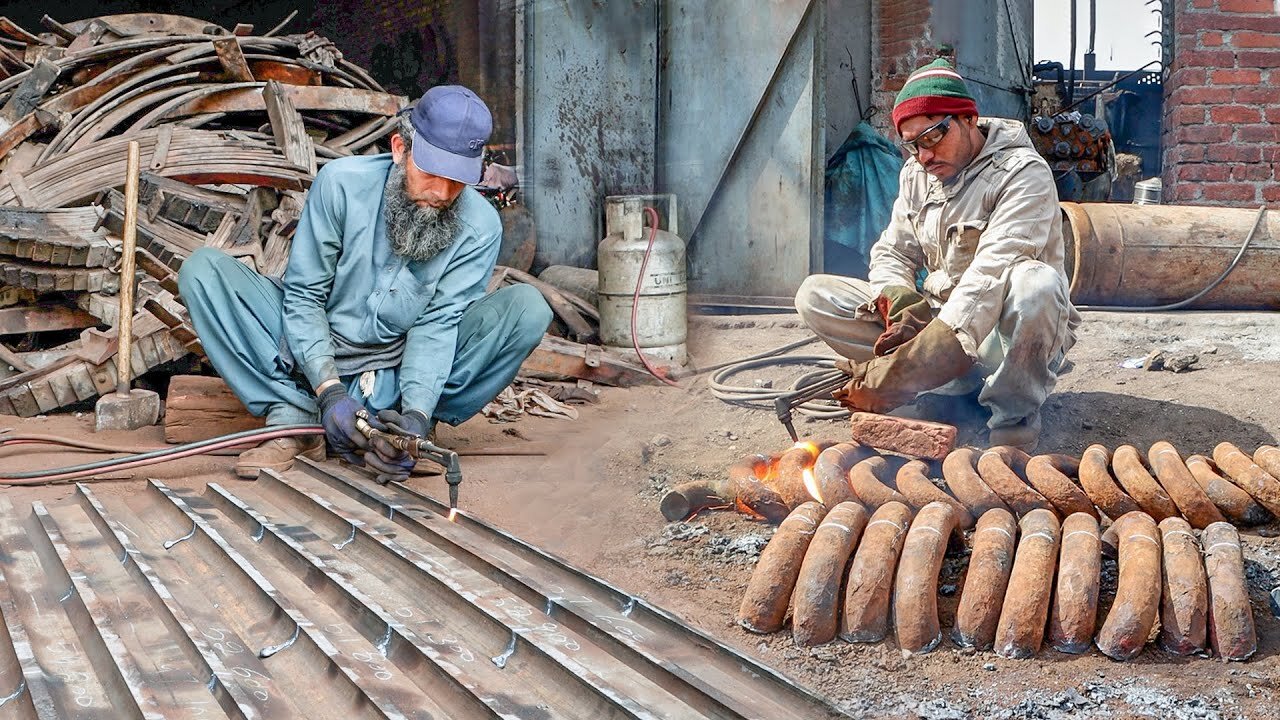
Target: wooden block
(916,438)
(199,408)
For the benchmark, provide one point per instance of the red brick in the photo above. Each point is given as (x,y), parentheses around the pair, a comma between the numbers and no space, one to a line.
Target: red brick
(1207,58)
(1237,76)
(1202,171)
(1186,192)
(1188,115)
(1264,95)
(1247,6)
(1251,39)
(1258,133)
(1211,39)
(1234,153)
(1203,134)
(1185,153)
(1195,22)
(1251,173)
(916,438)
(1204,3)
(1201,95)
(1259,59)
(1235,114)
(1237,192)
(1273,114)
(1271,193)
(1188,77)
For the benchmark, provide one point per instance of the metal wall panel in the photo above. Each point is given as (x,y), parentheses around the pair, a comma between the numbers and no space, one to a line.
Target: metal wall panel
(993,41)
(848,59)
(589,88)
(742,138)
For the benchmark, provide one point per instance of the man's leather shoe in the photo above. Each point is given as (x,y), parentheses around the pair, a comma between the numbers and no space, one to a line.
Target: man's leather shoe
(278,454)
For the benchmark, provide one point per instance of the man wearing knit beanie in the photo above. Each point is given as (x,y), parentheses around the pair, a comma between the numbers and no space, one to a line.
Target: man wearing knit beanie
(978,212)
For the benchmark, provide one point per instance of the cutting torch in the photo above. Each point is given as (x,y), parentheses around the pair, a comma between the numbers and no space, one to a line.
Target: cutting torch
(418,448)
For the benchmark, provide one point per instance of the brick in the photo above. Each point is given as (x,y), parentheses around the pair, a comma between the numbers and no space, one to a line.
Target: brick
(1259,58)
(1200,95)
(1203,171)
(1187,77)
(1185,153)
(1266,95)
(1203,134)
(1237,76)
(1211,39)
(1186,192)
(1258,134)
(1189,115)
(1247,6)
(916,438)
(1203,3)
(1271,193)
(1235,114)
(1273,114)
(1252,39)
(1207,58)
(1234,153)
(1235,192)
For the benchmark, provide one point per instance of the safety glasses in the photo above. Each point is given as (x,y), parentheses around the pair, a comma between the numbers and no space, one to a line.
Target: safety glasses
(929,137)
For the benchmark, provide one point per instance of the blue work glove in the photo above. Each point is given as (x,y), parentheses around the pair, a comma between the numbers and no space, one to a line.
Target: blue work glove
(338,415)
(392,464)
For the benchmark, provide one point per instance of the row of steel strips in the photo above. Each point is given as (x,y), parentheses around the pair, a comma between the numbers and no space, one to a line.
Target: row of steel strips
(520,646)
(691,664)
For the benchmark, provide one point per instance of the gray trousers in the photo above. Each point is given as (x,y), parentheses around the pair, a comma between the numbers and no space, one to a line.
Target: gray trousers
(1017,363)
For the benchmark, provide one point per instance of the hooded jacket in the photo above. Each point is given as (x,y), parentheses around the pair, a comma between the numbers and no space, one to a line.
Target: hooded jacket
(1000,210)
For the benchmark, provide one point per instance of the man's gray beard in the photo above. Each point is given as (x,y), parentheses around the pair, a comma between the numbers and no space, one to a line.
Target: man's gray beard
(415,233)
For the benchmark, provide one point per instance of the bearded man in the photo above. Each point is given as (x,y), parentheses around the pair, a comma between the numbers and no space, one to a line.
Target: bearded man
(382,306)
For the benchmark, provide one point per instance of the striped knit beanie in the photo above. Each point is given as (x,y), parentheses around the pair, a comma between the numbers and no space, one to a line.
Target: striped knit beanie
(935,89)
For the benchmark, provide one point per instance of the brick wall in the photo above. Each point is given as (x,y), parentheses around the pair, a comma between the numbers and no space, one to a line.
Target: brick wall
(903,41)
(1222,104)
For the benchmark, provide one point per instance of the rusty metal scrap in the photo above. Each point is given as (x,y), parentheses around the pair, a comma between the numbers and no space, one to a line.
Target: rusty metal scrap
(232,125)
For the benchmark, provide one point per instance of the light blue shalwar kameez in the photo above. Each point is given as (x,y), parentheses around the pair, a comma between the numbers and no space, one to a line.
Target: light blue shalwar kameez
(348,305)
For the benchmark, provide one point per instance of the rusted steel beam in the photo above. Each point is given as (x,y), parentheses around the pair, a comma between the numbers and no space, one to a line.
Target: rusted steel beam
(43,318)
(557,357)
(46,278)
(326,98)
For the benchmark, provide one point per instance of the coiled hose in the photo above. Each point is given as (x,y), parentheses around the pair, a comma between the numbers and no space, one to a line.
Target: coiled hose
(762,398)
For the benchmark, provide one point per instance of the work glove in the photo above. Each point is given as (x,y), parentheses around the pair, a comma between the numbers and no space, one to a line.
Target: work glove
(393,464)
(931,359)
(338,415)
(905,312)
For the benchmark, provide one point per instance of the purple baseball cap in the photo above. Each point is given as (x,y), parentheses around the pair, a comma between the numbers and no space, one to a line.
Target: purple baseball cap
(451,125)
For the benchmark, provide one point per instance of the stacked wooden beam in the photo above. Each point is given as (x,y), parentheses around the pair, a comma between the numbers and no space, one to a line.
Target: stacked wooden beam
(232,126)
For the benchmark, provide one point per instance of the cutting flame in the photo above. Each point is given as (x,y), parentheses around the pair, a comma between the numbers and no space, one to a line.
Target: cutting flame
(811,485)
(810,446)
(453,514)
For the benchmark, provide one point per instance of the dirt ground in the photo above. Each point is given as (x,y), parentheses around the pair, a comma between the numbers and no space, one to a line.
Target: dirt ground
(593,499)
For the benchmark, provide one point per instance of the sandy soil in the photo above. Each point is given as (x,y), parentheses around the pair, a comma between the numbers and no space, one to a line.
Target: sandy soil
(593,500)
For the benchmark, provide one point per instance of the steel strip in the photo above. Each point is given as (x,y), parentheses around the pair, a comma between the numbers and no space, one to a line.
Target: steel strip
(736,681)
(33,681)
(318,640)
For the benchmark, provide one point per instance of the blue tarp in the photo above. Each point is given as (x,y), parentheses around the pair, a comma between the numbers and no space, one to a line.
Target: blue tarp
(861,185)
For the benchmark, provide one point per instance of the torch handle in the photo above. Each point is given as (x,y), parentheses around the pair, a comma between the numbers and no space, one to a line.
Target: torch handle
(128,268)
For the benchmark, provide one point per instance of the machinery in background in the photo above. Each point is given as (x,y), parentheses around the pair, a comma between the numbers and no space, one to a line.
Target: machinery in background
(1080,151)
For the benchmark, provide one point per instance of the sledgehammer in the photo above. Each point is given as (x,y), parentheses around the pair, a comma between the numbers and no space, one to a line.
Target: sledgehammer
(127,409)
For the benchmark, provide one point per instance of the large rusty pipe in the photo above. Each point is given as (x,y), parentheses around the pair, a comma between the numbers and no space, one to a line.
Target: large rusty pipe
(866,479)
(986,580)
(816,600)
(1268,458)
(1231,628)
(1184,595)
(914,483)
(1026,601)
(831,471)
(915,591)
(870,581)
(1002,480)
(1140,485)
(1260,485)
(961,475)
(1047,479)
(1176,479)
(1149,255)
(1137,601)
(1236,504)
(741,488)
(764,607)
(1075,599)
(1100,485)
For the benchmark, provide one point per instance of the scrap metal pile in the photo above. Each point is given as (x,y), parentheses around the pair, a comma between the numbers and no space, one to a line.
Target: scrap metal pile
(863,537)
(232,126)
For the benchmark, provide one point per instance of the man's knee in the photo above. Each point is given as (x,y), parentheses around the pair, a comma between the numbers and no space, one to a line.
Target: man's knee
(1034,279)
(200,269)
(527,312)
(806,295)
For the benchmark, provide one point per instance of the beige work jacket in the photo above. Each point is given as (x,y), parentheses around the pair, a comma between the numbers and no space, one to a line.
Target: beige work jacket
(1000,210)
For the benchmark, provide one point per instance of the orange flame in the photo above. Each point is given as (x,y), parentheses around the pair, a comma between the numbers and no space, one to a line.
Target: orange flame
(453,514)
(811,485)
(810,446)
